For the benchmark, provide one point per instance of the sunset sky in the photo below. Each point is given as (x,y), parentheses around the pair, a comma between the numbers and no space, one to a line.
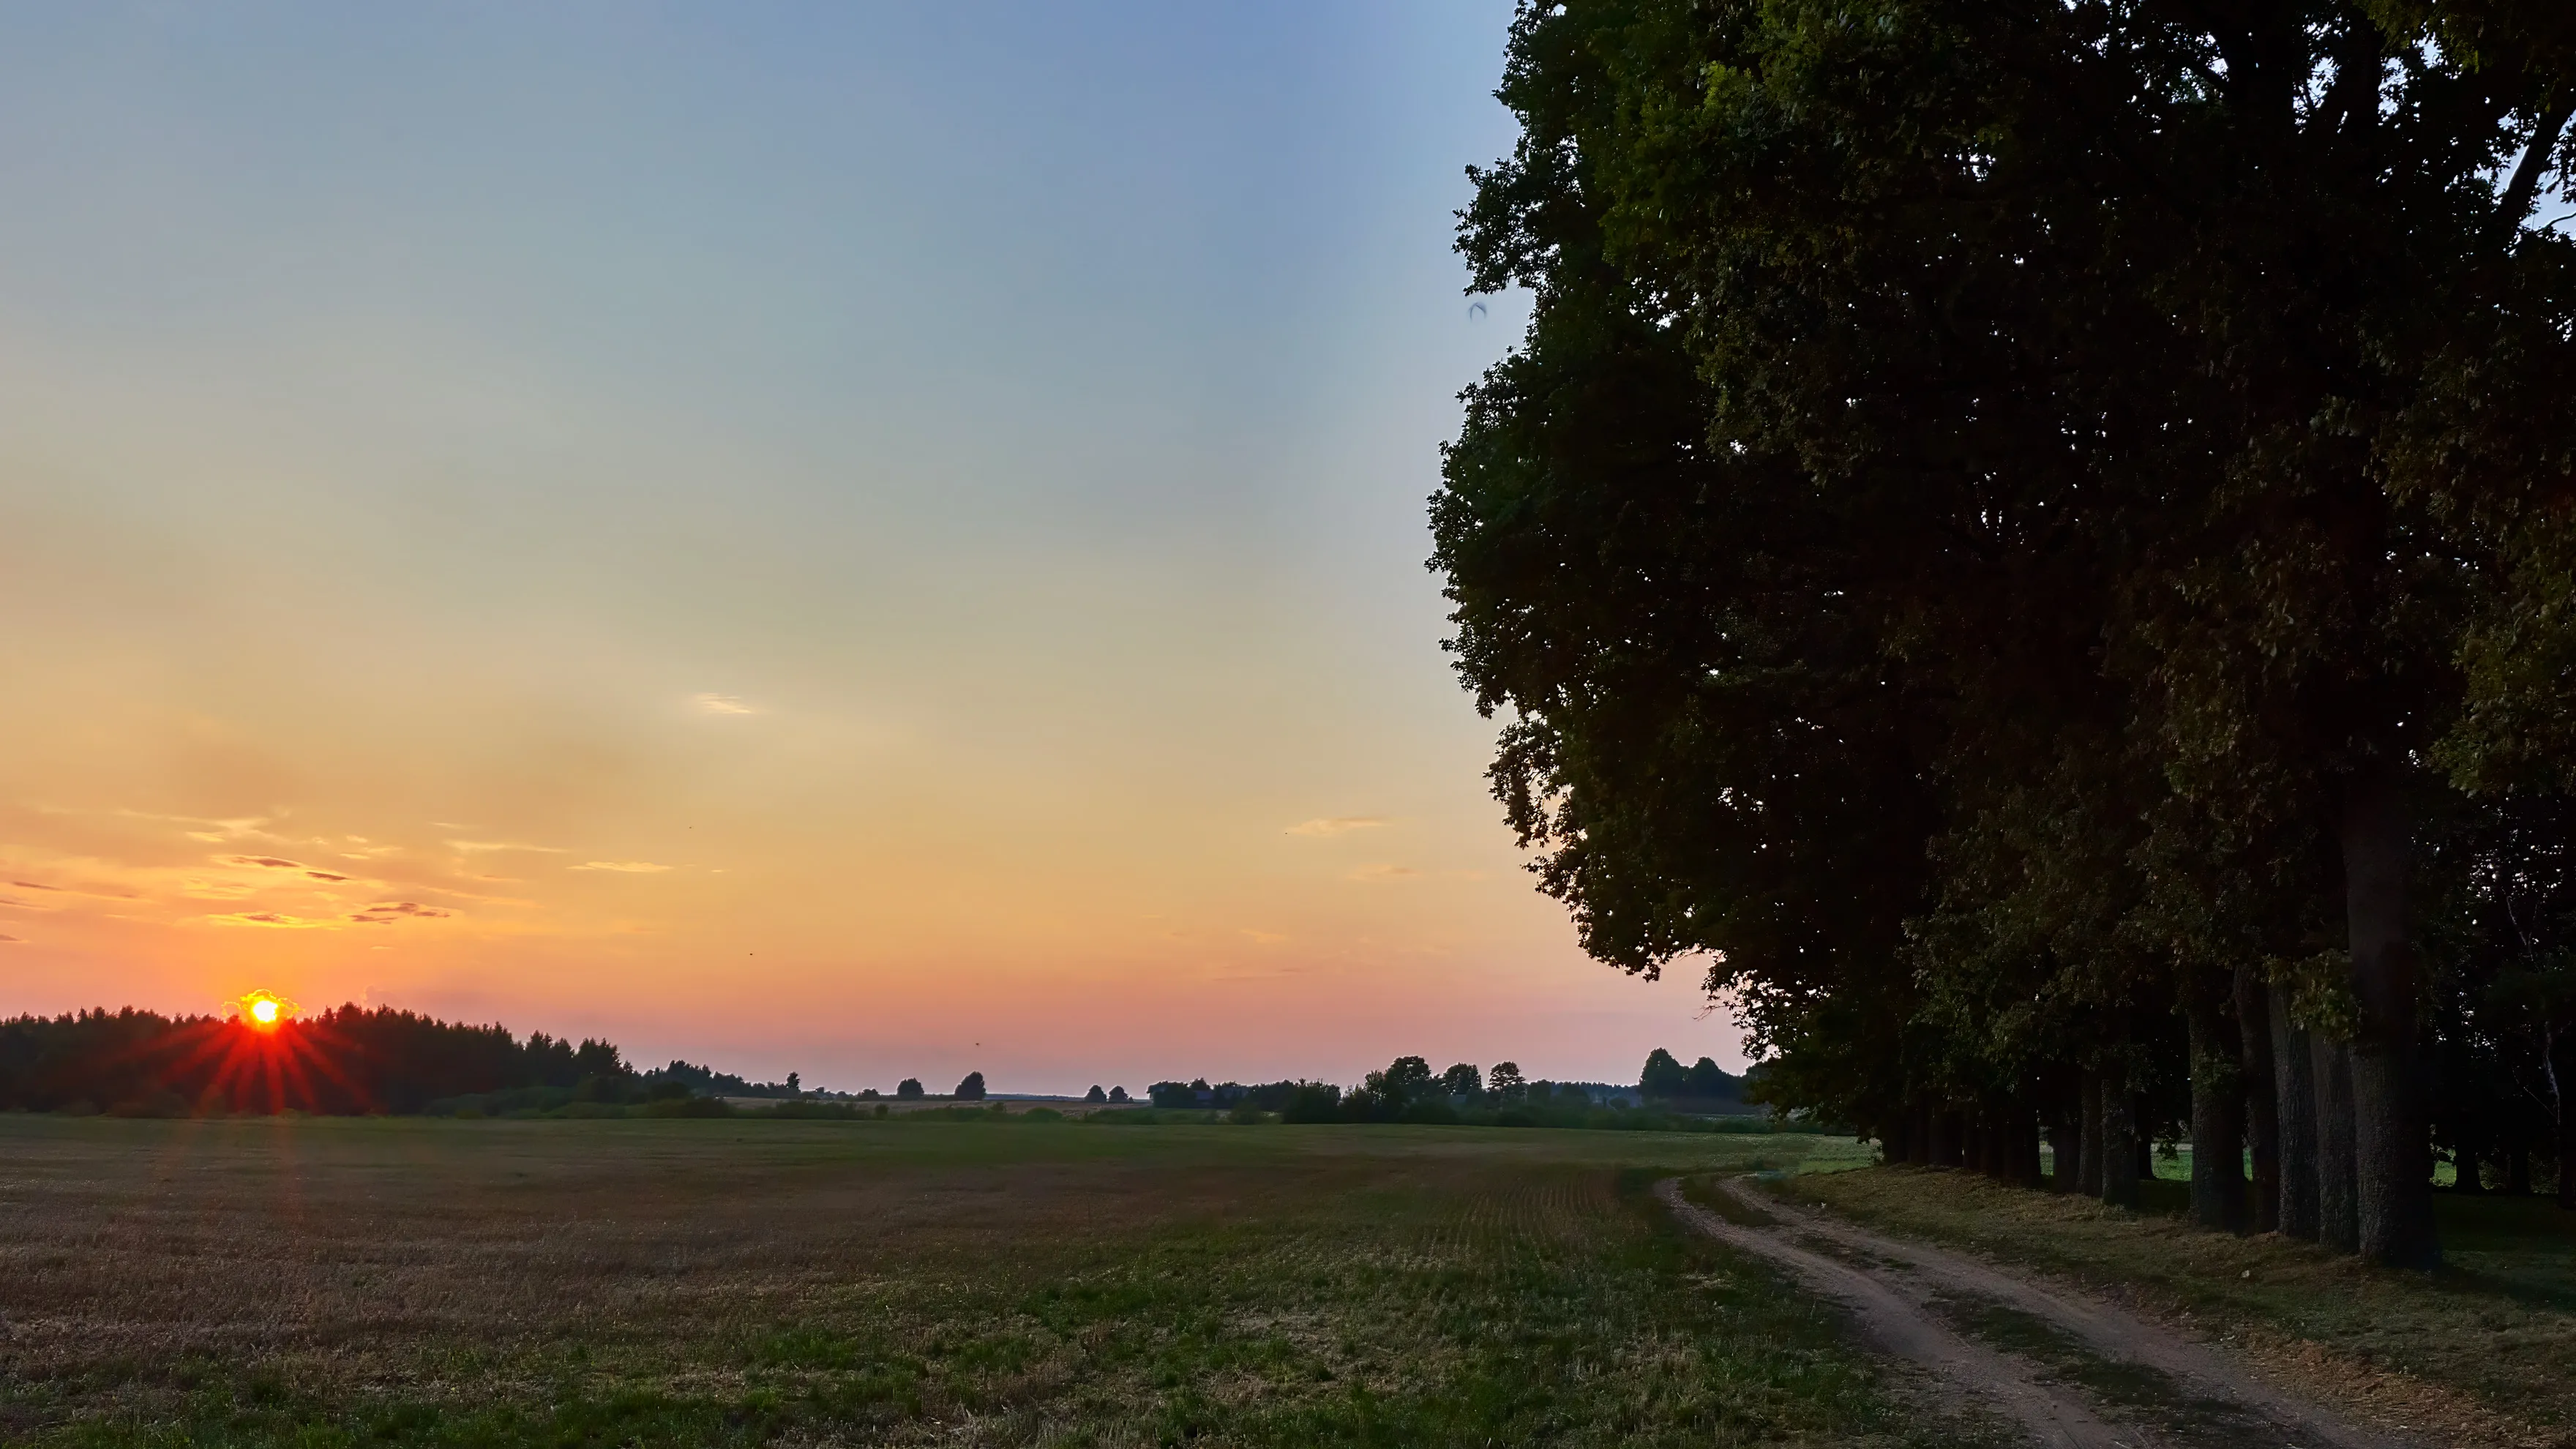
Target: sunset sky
(866,540)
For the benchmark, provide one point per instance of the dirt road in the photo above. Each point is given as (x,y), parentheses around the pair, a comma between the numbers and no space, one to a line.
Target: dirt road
(2071,1370)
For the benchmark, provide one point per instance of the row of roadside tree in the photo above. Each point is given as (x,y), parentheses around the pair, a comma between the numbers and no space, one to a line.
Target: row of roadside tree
(2038,541)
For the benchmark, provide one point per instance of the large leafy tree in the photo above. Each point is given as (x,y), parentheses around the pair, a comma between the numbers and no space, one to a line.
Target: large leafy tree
(1959,439)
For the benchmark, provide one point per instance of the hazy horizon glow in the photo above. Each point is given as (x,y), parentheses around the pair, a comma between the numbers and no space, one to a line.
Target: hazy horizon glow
(857,541)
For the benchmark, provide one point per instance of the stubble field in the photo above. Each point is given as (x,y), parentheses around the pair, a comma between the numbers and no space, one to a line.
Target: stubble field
(322,1282)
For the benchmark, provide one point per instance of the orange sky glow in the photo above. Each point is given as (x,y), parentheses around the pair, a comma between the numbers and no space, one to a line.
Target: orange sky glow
(865,546)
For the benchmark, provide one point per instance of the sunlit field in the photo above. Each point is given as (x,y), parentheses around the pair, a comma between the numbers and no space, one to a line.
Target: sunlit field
(329,1281)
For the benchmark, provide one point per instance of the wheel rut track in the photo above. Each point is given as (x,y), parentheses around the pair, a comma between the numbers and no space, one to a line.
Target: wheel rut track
(1894,1310)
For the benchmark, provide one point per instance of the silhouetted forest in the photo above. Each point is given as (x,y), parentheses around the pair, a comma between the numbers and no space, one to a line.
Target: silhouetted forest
(352,1059)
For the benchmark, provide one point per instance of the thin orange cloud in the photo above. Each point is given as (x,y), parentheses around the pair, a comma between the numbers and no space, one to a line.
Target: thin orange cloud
(1336,825)
(1384,872)
(723,704)
(273,919)
(385,913)
(631,867)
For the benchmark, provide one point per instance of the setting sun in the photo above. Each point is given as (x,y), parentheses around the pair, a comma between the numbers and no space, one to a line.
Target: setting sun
(263,1009)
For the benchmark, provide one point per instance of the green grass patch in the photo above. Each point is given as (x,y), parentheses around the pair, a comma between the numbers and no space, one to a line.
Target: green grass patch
(996,1282)
(2497,1324)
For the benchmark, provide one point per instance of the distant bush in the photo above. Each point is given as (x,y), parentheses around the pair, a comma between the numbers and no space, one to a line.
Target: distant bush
(689,1107)
(1313,1102)
(814,1111)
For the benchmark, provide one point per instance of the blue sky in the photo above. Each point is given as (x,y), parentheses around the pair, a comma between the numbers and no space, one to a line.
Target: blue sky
(865,539)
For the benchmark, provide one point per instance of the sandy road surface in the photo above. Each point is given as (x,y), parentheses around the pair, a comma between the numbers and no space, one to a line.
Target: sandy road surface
(1906,1298)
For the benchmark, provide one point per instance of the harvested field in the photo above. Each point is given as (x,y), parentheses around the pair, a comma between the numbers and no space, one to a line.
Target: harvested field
(408,1281)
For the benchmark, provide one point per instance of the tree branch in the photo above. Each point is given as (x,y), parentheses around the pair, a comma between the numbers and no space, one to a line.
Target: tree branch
(2535,159)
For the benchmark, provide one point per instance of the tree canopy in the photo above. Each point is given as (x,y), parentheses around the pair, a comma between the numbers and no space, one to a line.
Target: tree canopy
(2008,522)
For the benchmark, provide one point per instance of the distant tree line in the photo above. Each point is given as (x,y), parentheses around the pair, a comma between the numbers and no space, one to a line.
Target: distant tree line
(356,1060)
(1407,1090)
(2039,542)
(345,1061)
(348,1060)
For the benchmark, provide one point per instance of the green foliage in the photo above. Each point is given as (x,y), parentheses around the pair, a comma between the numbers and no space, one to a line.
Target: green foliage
(1982,483)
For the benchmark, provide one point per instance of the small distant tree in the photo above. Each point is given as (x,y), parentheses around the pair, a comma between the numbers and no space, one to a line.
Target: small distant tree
(1708,1079)
(1404,1079)
(971,1089)
(1463,1080)
(1095,1096)
(1505,1082)
(1117,1094)
(795,1085)
(1313,1102)
(598,1059)
(908,1090)
(1664,1076)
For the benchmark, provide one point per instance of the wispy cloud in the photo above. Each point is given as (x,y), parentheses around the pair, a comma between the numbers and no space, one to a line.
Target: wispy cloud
(723,704)
(12,941)
(325,875)
(1337,825)
(273,919)
(272,862)
(631,867)
(485,847)
(385,913)
(1265,938)
(1385,873)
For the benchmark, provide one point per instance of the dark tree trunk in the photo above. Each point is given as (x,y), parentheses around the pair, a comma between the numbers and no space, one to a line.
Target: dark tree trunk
(2566,1158)
(2142,1147)
(2120,1138)
(2262,1111)
(2517,1168)
(2338,1204)
(2025,1137)
(2392,1151)
(2088,1127)
(2294,1081)
(1944,1145)
(1918,1135)
(2217,1119)
(2563,1071)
